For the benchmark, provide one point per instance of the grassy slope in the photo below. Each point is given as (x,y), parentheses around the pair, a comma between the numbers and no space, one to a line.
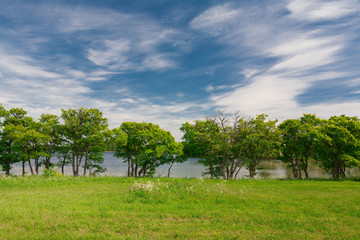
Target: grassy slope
(99,208)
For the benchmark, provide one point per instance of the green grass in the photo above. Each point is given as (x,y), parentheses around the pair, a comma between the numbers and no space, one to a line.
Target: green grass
(119,208)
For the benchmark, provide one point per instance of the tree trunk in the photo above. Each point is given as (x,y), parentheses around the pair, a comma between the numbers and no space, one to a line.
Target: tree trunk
(7,170)
(47,163)
(222,166)
(63,165)
(334,174)
(37,166)
(232,168)
(132,168)
(227,168)
(337,171)
(238,170)
(211,169)
(8,161)
(23,168)
(31,168)
(170,169)
(78,163)
(294,170)
(252,169)
(145,170)
(136,170)
(73,163)
(85,165)
(306,173)
(128,172)
(343,172)
(298,168)
(306,169)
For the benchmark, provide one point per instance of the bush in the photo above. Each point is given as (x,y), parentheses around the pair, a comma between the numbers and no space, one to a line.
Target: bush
(52,173)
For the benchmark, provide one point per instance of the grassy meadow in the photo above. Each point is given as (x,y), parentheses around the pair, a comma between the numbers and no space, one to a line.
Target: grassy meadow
(128,208)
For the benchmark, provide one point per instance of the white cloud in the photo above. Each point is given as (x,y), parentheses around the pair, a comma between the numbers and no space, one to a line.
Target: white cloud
(215,18)
(119,41)
(180,94)
(128,100)
(95,79)
(158,62)
(102,73)
(209,88)
(309,59)
(301,56)
(21,65)
(137,48)
(248,73)
(93,76)
(70,20)
(316,10)
(114,54)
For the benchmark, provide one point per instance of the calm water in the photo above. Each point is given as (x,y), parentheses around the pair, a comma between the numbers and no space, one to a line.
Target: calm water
(191,169)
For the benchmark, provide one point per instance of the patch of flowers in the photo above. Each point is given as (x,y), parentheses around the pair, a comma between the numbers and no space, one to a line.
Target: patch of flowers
(148,187)
(220,187)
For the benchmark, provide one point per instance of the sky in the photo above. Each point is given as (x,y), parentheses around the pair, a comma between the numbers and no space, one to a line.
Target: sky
(169,62)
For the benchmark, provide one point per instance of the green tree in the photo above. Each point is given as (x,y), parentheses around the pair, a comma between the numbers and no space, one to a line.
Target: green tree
(29,142)
(337,145)
(145,147)
(174,154)
(82,129)
(290,148)
(9,149)
(64,155)
(200,139)
(298,136)
(262,142)
(96,152)
(219,142)
(50,126)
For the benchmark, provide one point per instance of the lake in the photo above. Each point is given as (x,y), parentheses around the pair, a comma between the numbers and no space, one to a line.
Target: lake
(191,169)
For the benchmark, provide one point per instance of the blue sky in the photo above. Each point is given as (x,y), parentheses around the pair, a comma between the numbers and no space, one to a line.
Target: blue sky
(168,62)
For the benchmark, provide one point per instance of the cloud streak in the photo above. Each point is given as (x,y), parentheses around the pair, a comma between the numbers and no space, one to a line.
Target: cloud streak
(299,56)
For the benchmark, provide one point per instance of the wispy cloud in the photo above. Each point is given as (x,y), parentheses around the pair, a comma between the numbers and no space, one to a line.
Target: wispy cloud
(215,18)
(21,65)
(138,51)
(99,43)
(308,10)
(114,54)
(299,55)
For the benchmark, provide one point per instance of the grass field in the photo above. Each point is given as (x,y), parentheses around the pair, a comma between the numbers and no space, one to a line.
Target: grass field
(127,208)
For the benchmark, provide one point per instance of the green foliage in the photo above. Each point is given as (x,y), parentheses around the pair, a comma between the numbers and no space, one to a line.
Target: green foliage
(145,146)
(217,143)
(83,130)
(50,126)
(14,121)
(225,146)
(223,143)
(337,144)
(298,136)
(51,172)
(262,142)
(201,140)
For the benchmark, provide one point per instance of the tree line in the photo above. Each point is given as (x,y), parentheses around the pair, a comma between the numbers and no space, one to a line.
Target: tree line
(223,143)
